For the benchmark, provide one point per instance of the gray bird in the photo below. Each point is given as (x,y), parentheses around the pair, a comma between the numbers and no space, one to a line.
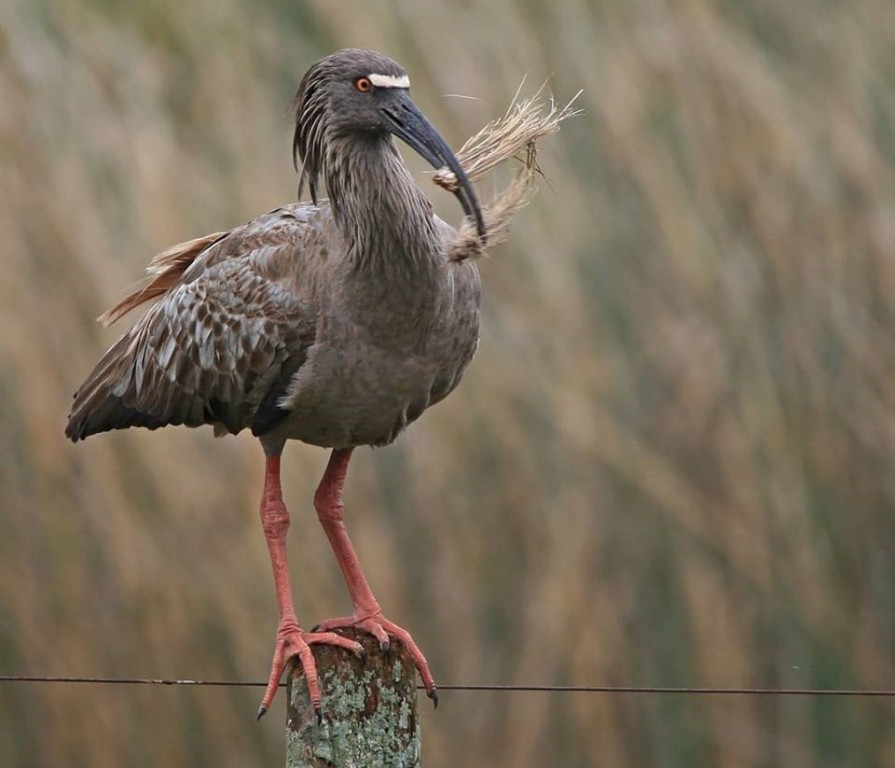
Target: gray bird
(336,322)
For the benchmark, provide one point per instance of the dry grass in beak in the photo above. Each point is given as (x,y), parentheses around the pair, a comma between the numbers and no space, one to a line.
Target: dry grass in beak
(514,135)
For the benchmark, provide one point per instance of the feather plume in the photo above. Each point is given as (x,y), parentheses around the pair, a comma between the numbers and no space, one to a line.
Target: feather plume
(164,270)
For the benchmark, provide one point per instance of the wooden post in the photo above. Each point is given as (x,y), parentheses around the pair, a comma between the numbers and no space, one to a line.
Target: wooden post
(369,710)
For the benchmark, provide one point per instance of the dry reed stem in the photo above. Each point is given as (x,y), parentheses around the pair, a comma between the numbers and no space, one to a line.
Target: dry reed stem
(514,135)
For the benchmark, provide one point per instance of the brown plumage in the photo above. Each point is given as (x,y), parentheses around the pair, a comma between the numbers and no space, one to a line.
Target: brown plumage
(166,269)
(336,322)
(232,319)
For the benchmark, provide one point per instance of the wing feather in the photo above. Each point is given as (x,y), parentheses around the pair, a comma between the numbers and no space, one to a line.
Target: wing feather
(229,322)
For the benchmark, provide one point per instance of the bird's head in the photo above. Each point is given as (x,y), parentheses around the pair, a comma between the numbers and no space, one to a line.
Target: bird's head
(359,95)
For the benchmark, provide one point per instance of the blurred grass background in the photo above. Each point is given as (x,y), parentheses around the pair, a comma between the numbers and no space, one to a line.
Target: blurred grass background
(672,463)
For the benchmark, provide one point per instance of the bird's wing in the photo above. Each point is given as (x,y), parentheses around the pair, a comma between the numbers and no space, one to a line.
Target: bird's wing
(229,328)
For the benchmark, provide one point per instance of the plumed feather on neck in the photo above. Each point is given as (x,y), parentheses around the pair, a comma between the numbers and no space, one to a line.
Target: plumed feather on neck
(308,142)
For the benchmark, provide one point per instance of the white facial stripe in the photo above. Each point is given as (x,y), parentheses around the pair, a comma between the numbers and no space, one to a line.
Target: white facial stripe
(389,81)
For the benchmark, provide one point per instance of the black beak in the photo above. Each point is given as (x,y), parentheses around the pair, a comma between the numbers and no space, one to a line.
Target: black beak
(405,120)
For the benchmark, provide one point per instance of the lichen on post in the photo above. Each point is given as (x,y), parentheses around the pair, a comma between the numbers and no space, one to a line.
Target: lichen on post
(369,710)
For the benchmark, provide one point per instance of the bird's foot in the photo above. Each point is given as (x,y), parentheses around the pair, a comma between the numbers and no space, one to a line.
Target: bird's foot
(383,629)
(292,641)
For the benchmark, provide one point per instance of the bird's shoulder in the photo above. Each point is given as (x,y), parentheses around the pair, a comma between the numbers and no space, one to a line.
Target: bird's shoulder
(280,246)
(247,290)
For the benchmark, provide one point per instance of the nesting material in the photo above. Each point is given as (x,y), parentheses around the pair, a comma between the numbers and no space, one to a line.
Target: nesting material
(515,135)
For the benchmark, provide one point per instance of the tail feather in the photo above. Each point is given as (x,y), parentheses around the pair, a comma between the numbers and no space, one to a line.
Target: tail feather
(98,405)
(108,399)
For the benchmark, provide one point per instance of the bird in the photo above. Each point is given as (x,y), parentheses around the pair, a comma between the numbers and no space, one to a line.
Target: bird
(336,322)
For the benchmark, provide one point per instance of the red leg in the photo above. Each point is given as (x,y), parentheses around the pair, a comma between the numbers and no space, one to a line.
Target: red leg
(291,639)
(367,613)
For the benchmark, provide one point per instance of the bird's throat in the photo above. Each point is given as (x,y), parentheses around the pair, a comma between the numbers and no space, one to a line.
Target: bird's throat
(384,216)
(393,271)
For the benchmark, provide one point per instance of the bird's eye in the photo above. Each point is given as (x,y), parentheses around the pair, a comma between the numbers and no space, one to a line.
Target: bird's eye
(363,84)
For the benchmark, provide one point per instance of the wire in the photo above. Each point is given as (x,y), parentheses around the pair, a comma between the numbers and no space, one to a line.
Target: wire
(499,688)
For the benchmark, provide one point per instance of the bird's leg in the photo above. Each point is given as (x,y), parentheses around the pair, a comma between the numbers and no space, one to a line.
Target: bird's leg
(367,613)
(291,639)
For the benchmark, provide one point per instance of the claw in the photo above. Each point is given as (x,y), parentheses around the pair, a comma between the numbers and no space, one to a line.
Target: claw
(381,628)
(294,643)
(433,694)
(319,712)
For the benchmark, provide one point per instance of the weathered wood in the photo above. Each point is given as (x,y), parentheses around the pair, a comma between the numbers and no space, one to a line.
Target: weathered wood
(369,710)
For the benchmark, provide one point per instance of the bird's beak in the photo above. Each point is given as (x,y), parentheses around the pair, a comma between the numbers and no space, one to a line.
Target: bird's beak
(405,120)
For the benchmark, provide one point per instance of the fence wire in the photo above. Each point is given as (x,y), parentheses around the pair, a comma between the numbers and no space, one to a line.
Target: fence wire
(698,691)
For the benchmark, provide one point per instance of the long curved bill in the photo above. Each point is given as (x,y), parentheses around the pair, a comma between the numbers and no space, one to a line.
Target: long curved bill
(405,121)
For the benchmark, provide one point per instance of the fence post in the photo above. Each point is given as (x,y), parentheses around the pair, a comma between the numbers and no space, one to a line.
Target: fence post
(369,710)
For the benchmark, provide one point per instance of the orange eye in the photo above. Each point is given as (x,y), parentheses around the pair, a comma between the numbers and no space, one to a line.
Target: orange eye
(363,84)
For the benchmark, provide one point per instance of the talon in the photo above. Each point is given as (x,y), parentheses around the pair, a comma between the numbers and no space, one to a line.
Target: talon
(293,645)
(382,629)
(361,653)
(433,694)
(261,710)
(319,712)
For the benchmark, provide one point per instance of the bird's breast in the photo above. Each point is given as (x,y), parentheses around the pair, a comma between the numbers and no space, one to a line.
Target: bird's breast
(362,384)
(366,396)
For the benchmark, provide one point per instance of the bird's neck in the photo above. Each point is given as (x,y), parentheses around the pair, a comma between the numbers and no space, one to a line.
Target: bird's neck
(384,216)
